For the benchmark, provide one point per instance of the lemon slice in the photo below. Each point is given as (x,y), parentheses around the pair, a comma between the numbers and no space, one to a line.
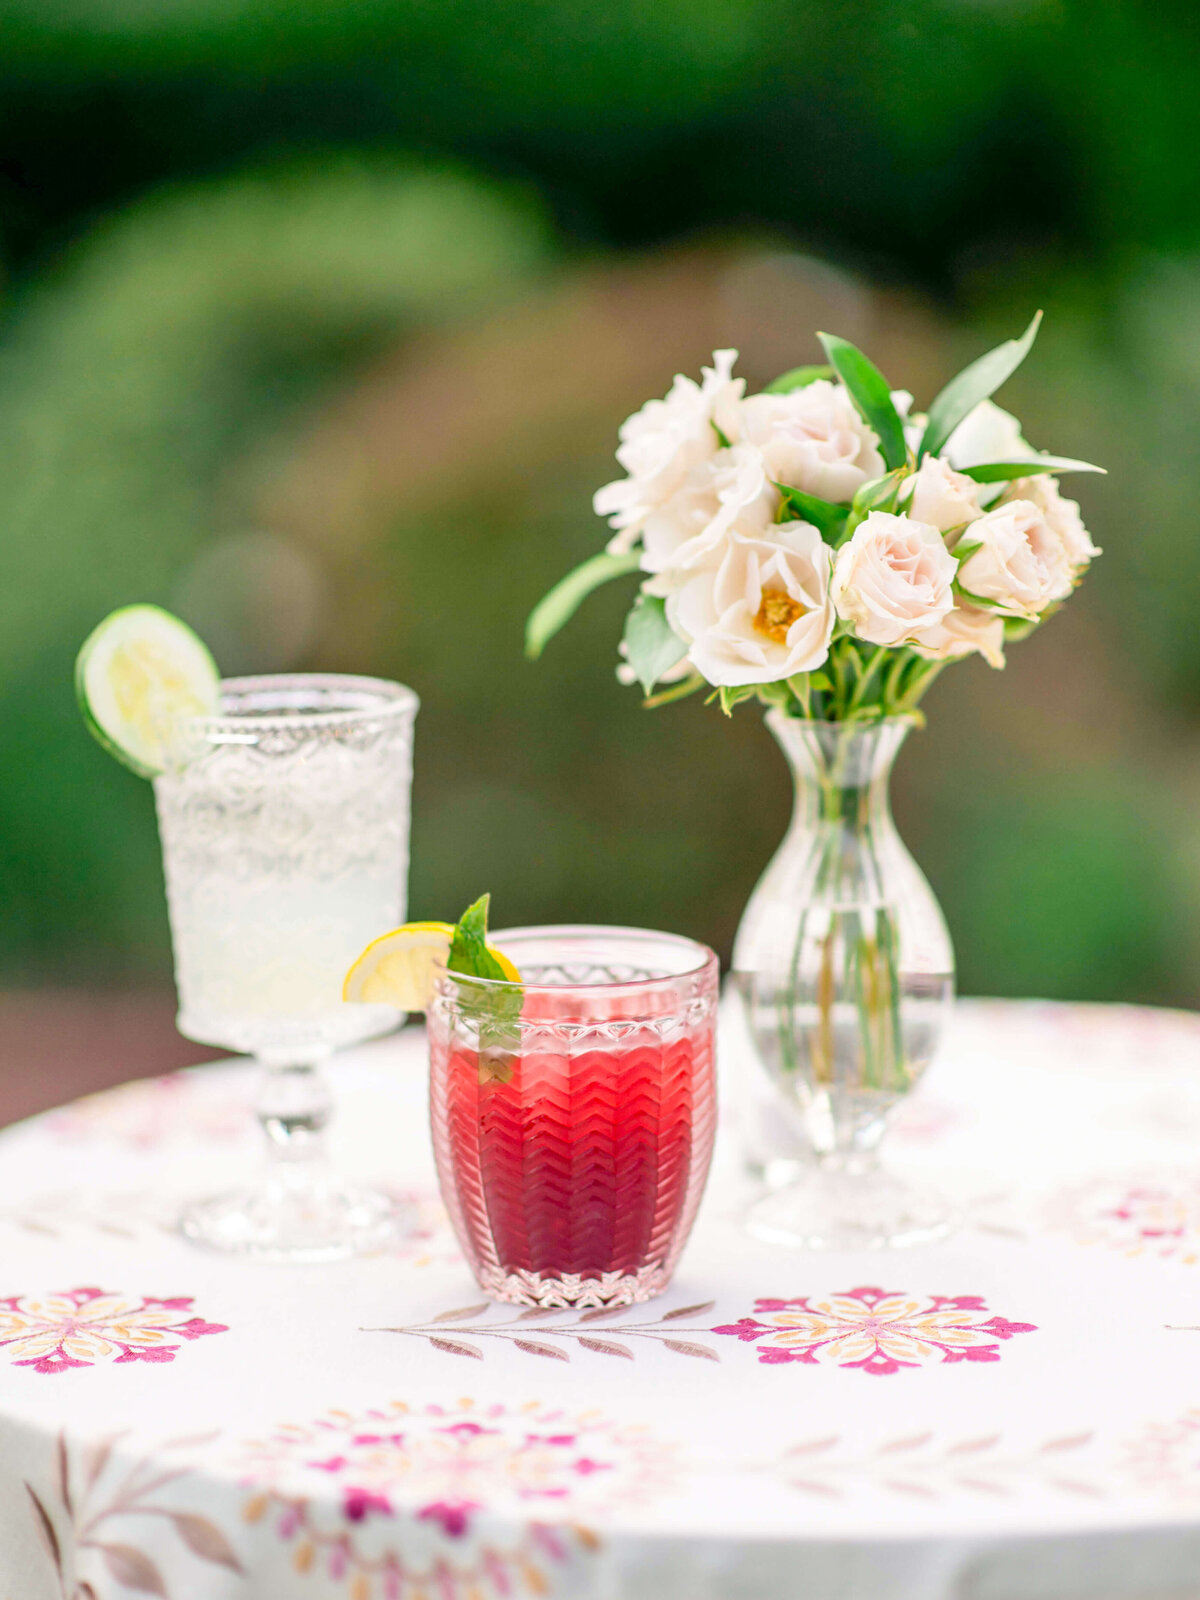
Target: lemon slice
(140,675)
(398,968)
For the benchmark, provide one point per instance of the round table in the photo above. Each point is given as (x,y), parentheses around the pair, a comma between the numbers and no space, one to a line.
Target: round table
(1013,1414)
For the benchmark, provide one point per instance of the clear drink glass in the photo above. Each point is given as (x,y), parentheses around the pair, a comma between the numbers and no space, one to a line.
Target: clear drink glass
(285,849)
(573,1113)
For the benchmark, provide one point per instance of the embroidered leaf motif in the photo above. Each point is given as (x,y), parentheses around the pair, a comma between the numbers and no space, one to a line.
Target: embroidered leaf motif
(133,1569)
(811,1487)
(538,1347)
(689,1311)
(205,1540)
(983,1486)
(812,1446)
(64,1476)
(461,1315)
(1073,1442)
(914,1441)
(967,1447)
(602,1313)
(606,1347)
(901,1486)
(456,1347)
(684,1347)
(96,1459)
(47,1529)
(539,1313)
(191,1441)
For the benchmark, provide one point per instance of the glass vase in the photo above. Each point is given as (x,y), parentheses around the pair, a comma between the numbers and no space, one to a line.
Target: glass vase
(573,1113)
(845,972)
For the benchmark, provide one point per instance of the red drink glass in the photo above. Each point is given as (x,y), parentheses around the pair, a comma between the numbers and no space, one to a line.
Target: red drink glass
(573,1114)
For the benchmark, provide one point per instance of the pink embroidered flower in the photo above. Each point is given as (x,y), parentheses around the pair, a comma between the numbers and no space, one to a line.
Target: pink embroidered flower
(400,1477)
(453,1519)
(875,1331)
(82,1327)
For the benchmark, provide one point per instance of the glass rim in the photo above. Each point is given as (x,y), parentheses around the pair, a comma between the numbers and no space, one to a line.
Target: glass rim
(391,699)
(707,961)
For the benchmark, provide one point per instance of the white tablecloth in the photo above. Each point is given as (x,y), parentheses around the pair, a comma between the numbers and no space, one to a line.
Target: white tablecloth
(1011,1415)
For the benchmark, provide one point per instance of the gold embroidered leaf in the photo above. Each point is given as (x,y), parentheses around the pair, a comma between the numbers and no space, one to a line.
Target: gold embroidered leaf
(606,1347)
(64,1475)
(689,1311)
(204,1539)
(538,1347)
(133,1569)
(461,1314)
(456,1347)
(46,1528)
(685,1347)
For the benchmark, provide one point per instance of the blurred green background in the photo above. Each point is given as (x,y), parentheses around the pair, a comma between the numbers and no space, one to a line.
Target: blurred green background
(319,318)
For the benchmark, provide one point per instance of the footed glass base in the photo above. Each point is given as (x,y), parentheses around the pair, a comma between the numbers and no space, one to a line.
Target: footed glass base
(283,1220)
(835,1208)
(572,1288)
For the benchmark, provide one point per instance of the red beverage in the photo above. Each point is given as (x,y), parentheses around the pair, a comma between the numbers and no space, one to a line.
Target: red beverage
(573,1142)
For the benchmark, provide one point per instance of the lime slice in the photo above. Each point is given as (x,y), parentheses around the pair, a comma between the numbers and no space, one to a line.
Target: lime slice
(398,969)
(139,676)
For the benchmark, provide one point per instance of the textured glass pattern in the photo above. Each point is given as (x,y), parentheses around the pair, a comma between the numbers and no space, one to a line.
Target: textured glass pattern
(573,1142)
(285,844)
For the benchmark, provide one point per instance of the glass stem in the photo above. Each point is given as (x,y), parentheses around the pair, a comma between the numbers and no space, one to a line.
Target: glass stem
(294,1107)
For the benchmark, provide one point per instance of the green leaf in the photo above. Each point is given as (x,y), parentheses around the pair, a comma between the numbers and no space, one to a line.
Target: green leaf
(652,644)
(868,388)
(469,953)
(569,593)
(825,517)
(677,691)
(497,1011)
(877,494)
(1018,628)
(998,471)
(774,694)
(977,382)
(731,695)
(798,378)
(965,548)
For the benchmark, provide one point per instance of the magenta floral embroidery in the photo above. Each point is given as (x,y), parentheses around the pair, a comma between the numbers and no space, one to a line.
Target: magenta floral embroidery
(875,1331)
(396,1496)
(1155,1215)
(83,1327)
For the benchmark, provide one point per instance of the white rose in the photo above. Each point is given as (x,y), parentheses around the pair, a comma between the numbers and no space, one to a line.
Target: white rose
(1021,566)
(813,439)
(987,433)
(764,613)
(936,494)
(733,490)
(893,578)
(960,632)
(661,443)
(1061,515)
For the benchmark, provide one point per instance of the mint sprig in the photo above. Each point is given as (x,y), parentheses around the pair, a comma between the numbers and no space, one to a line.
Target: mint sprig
(497,1011)
(469,953)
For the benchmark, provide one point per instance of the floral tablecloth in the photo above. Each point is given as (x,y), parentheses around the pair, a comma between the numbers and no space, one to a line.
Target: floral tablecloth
(1011,1415)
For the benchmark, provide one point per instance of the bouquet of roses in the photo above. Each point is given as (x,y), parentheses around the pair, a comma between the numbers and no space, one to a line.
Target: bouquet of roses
(820,546)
